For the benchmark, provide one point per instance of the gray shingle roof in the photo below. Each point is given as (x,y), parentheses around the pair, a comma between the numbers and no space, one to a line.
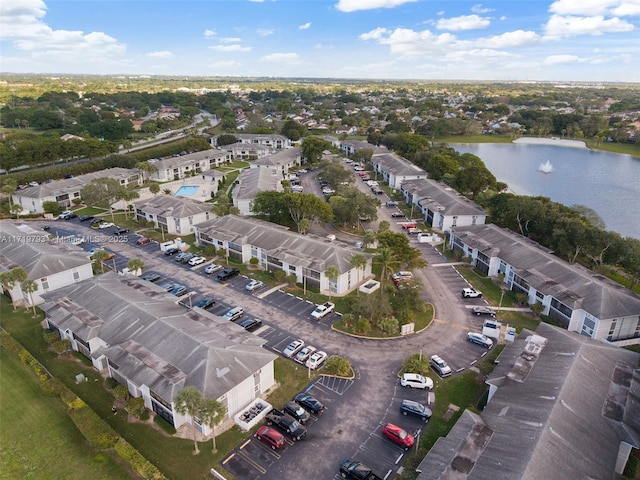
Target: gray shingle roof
(573,284)
(255,180)
(439,197)
(153,340)
(170,206)
(308,250)
(281,157)
(70,185)
(189,159)
(398,166)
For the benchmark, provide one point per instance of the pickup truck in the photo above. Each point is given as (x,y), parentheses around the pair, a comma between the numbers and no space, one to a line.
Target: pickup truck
(354,470)
(286,423)
(322,310)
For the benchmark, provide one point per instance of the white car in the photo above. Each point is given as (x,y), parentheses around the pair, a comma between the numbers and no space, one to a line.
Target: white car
(254,285)
(480,339)
(106,225)
(293,348)
(471,293)
(304,354)
(322,310)
(415,380)
(316,360)
(197,261)
(213,268)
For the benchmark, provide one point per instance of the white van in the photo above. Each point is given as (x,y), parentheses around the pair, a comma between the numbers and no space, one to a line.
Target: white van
(415,380)
(233,314)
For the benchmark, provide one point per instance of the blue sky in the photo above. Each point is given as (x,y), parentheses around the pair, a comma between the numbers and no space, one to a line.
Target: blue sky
(562,40)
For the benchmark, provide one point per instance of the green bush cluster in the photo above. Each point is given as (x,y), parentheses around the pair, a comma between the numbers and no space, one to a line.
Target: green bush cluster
(135,406)
(61,346)
(416,363)
(51,337)
(37,367)
(8,343)
(53,387)
(140,464)
(338,366)
(93,428)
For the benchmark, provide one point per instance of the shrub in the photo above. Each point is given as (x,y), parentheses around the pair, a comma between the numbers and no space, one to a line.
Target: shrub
(537,308)
(140,464)
(415,364)
(51,336)
(53,387)
(291,280)
(389,325)
(121,392)
(254,261)
(522,298)
(111,382)
(135,406)
(279,275)
(362,326)
(339,366)
(94,429)
(61,346)
(68,397)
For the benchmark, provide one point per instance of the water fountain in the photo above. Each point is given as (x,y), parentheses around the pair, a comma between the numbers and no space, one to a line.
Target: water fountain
(545,167)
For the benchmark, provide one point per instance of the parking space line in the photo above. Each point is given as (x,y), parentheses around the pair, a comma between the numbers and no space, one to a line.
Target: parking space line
(252,462)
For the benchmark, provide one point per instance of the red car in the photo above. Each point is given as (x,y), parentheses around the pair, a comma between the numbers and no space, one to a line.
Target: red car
(398,435)
(271,437)
(143,240)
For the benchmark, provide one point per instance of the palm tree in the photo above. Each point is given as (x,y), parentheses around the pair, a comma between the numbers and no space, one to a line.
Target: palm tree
(29,286)
(101,256)
(210,414)
(188,402)
(332,273)
(359,261)
(127,195)
(368,239)
(154,188)
(135,265)
(7,282)
(388,262)
(18,275)
(9,188)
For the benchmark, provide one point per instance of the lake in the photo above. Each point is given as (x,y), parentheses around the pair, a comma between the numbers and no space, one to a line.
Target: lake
(609,183)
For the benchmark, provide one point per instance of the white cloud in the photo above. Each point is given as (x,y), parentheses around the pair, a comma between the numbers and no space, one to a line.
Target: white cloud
(627,8)
(375,34)
(224,64)
(209,33)
(230,40)
(464,22)
(355,5)
(582,7)
(509,39)
(161,54)
(561,59)
(21,24)
(265,32)
(503,18)
(230,48)
(285,58)
(478,8)
(304,26)
(560,26)
(411,44)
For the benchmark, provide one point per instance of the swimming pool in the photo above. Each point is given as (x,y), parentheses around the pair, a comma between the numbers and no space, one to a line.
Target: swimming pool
(186,191)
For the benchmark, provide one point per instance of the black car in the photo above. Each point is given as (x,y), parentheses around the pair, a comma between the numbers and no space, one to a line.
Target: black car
(354,470)
(397,214)
(120,231)
(415,409)
(171,251)
(250,324)
(227,273)
(297,412)
(84,218)
(96,220)
(309,403)
(206,302)
(150,277)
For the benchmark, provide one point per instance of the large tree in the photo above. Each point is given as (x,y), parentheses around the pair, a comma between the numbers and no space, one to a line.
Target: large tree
(188,402)
(102,192)
(303,206)
(312,148)
(29,287)
(210,413)
(332,273)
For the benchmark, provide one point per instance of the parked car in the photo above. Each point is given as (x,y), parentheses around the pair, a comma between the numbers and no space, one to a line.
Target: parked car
(316,360)
(143,241)
(402,277)
(213,268)
(186,256)
(297,412)
(409,407)
(471,293)
(304,354)
(439,366)
(197,261)
(484,311)
(171,251)
(322,310)
(234,313)
(354,470)
(415,380)
(96,220)
(167,287)
(293,348)
(98,224)
(206,303)
(254,285)
(480,339)
(84,218)
(150,277)
(271,437)
(227,273)
(120,231)
(397,215)
(398,436)
(93,250)
(104,225)
(309,403)
(67,215)
(391,203)
(179,290)
(251,324)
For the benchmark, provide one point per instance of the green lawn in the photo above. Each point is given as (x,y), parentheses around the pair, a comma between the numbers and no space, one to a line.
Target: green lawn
(39,439)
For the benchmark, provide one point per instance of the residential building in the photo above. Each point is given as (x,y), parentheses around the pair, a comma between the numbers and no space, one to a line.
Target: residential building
(559,406)
(349,147)
(65,191)
(578,299)
(176,215)
(247,151)
(51,263)
(305,256)
(272,141)
(394,169)
(184,166)
(138,334)
(281,161)
(252,181)
(440,205)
